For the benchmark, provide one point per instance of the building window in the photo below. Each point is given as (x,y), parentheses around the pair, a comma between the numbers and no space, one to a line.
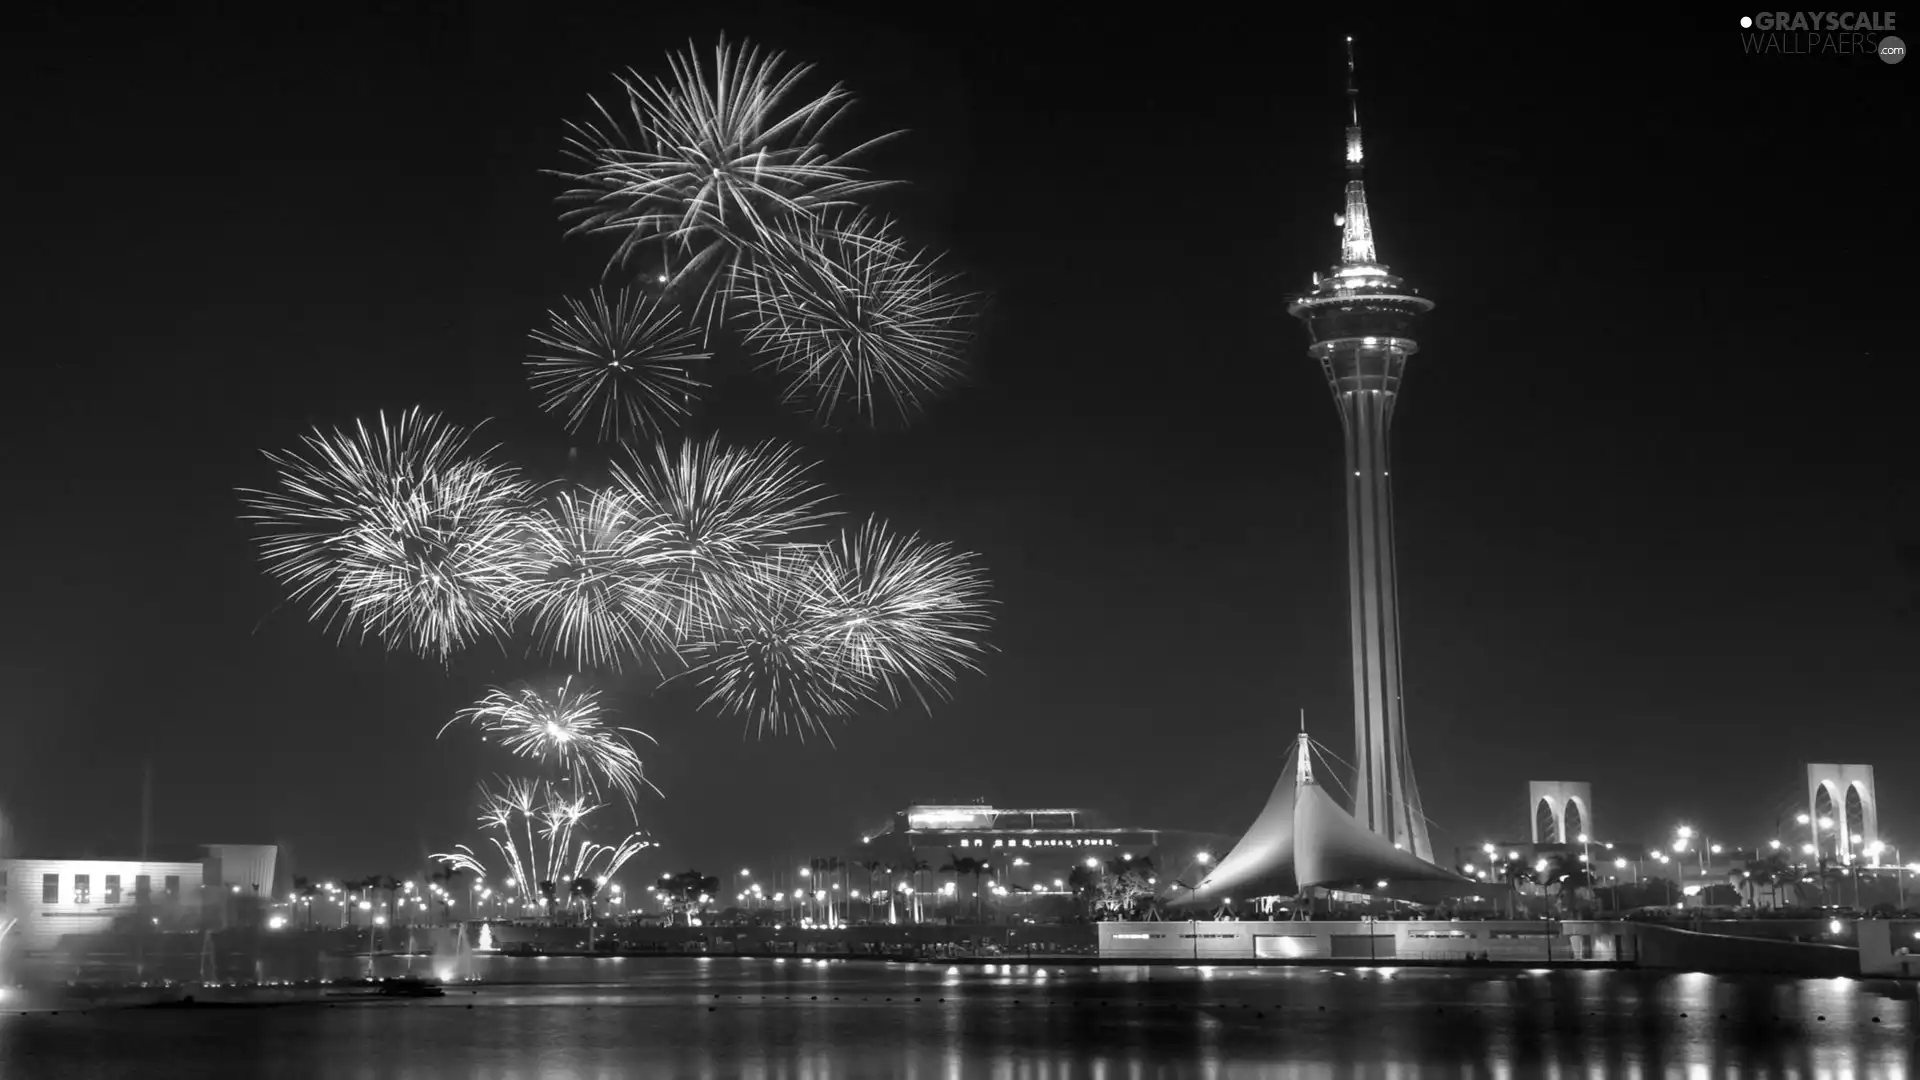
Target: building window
(113,888)
(82,888)
(142,889)
(3,890)
(49,888)
(173,887)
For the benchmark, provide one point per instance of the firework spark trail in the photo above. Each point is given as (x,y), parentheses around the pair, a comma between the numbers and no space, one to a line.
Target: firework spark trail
(568,728)
(905,614)
(396,531)
(604,580)
(709,160)
(728,507)
(626,366)
(848,314)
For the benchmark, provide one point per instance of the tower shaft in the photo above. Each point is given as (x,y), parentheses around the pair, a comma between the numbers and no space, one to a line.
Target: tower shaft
(1386,798)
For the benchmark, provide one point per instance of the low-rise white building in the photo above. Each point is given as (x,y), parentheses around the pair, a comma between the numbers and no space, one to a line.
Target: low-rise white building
(47,899)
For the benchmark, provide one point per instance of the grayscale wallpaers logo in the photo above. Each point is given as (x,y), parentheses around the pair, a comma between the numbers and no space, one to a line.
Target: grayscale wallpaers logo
(1830,33)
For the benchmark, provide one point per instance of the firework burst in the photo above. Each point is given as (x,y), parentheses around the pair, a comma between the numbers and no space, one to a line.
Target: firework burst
(729,508)
(769,653)
(849,315)
(567,728)
(707,160)
(396,531)
(905,615)
(620,366)
(605,579)
(532,827)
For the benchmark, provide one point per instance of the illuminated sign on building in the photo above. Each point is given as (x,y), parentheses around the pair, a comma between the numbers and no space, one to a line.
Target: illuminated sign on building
(1031,842)
(950,817)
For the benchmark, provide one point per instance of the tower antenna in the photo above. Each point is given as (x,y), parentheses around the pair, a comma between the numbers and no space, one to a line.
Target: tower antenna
(1356,225)
(1353,87)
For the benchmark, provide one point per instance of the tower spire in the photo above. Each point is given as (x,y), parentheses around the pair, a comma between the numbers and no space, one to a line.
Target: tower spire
(1356,228)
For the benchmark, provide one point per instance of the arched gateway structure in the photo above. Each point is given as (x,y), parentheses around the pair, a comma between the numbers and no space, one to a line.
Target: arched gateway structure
(1843,797)
(1560,810)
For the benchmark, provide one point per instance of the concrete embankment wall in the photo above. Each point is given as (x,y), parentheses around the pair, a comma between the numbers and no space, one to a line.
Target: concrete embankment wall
(1514,942)
(1671,948)
(1890,947)
(761,939)
(1574,941)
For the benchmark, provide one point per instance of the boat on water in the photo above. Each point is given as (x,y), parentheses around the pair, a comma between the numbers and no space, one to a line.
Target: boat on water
(405,987)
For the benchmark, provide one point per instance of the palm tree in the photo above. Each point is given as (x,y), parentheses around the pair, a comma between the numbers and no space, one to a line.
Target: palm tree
(358,886)
(583,889)
(873,867)
(1084,882)
(549,894)
(447,877)
(689,890)
(893,891)
(1771,871)
(825,870)
(1565,876)
(306,890)
(1516,874)
(916,870)
(391,886)
(965,864)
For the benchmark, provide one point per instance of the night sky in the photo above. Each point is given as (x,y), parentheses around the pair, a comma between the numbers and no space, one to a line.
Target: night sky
(1652,477)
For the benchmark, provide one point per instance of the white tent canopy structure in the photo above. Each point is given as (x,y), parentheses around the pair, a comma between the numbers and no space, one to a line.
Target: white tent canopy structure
(1304,840)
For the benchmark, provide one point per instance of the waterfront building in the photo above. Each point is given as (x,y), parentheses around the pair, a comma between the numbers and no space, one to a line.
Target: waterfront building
(209,886)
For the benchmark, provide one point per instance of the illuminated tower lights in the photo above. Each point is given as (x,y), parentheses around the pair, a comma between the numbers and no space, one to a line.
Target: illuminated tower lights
(1360,319)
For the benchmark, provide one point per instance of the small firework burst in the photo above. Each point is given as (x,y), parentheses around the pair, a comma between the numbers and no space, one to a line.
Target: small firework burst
(396,531)
(620,367)
(709,160)
(851,316)
(567,728)
(728,507)
(532,827)
(906,615)
(604,580)
(769,653)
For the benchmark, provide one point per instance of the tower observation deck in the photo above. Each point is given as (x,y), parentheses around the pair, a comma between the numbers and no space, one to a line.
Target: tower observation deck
(1360,322)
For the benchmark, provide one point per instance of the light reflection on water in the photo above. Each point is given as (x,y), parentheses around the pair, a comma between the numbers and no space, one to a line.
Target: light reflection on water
(762,1020)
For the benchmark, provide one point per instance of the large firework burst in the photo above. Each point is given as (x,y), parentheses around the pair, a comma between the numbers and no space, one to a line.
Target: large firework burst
(708,160)
(842,308)
(768,652)
(606,578)
(620,366)
(905,614)
(729,507)
(397,531)
(815,632)
(567,728)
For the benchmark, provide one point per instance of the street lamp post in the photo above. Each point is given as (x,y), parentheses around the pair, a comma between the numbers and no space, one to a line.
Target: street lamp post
(1684,836)
(1204,858)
